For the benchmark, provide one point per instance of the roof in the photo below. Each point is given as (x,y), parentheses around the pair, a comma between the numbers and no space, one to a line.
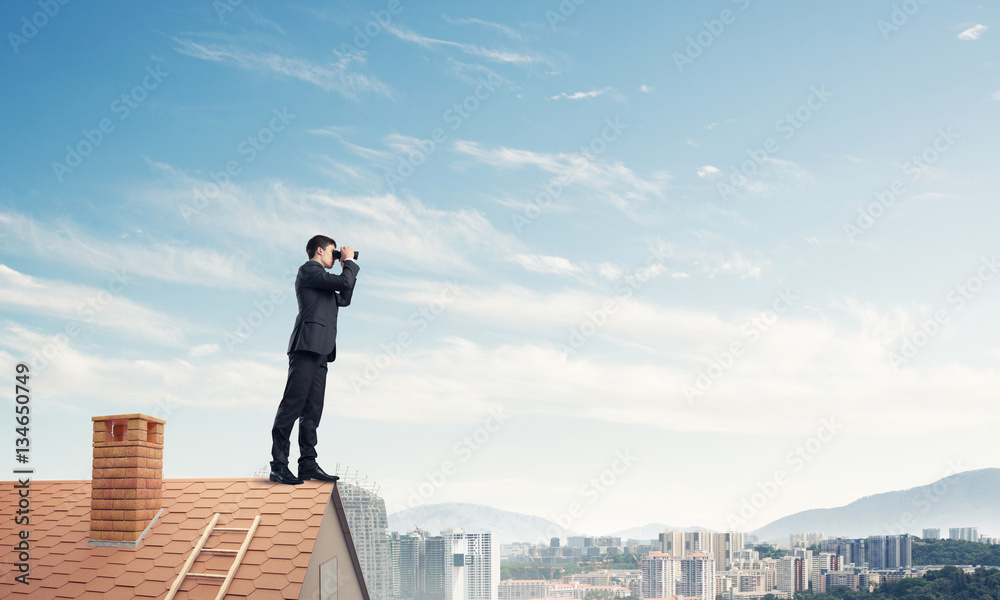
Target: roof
(64,565)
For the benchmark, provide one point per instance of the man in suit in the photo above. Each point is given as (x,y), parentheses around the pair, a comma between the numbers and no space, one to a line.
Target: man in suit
(312,345)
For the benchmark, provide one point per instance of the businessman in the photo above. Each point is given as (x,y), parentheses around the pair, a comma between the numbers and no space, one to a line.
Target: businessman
(312,345)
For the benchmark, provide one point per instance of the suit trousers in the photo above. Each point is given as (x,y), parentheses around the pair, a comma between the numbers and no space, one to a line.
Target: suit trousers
(302,401)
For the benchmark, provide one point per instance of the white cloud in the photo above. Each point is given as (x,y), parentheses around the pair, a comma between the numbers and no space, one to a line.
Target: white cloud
(81,307)
(580,95)
(502,56)
(996,95)
(711,263)
(646,89)
(138,256)
(973,32)
(708,171)
(774,175)
(405,230)
(538,263)
(504,29)
(616,182)
(334,76)
(363,152)
(203,350)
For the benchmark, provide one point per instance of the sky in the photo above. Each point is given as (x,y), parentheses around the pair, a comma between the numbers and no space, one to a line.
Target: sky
(694,263)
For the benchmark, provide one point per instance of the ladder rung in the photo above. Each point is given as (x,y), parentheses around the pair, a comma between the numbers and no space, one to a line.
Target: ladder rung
(212,575)
(231,529)
(219,550)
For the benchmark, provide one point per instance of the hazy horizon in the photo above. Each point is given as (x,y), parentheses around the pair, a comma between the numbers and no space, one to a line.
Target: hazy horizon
(619,264)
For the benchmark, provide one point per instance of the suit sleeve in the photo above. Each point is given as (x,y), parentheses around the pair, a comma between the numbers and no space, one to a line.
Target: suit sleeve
(318,277)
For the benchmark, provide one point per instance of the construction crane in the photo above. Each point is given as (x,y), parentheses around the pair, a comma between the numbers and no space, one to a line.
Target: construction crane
(534,562)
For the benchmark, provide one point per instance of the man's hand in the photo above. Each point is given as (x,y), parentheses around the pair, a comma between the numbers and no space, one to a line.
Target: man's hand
(345,253)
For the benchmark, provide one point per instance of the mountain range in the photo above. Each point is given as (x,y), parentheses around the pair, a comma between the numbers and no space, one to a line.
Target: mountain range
(966,499)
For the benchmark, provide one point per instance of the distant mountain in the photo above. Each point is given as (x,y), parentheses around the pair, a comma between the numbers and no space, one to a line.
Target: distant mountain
(509,527)
(967,499)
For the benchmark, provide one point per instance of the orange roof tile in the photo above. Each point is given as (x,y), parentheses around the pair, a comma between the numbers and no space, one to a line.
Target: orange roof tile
(63,565)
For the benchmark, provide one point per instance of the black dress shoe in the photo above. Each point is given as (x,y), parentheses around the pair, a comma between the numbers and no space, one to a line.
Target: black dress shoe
(316,473)
(284,475)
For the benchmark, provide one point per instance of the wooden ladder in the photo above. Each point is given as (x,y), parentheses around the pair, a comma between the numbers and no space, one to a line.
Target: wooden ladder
(200,547)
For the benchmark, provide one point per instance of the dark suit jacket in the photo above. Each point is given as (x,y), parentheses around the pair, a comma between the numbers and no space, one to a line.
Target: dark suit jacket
(320,294)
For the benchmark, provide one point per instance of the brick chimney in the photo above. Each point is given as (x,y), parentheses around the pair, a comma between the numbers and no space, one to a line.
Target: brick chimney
(126,494)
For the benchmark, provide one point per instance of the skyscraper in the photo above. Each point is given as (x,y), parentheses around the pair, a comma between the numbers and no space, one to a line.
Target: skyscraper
(850,551)
(822,564)
(890,551)
(672,543)
(698,576)
(791,576)
(969,534)
(367,521)
(699,541)
(476,562)
(658,576)
(726,545)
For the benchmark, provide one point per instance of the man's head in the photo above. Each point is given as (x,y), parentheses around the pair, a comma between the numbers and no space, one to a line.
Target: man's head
(320,248)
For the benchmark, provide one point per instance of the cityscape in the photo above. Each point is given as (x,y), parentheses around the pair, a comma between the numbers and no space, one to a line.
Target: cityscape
(455,564)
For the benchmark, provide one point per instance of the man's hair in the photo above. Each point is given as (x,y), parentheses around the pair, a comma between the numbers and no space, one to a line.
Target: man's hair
(317,242)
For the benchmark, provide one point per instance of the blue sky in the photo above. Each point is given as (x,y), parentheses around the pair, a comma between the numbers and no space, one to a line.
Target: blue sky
(586,229)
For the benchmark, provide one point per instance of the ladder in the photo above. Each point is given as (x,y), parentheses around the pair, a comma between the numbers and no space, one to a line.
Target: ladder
(200,547)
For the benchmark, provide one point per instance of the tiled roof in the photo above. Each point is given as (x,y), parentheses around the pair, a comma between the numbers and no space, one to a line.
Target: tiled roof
(63,565)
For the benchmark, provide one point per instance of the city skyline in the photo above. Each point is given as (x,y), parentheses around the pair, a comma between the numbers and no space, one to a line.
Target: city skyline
(618,264)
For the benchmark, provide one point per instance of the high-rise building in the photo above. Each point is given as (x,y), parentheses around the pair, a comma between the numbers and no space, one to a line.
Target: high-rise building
(890,551)
(850,551)
(699,541)
(698,576)
(672,543)
(367,521)
(726,545)
(822,564)
(791,576)
(969,534)
(807,562)
(805,540)
(931,534)
(476,559)
(410,564)
(659,579)
(394,546)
